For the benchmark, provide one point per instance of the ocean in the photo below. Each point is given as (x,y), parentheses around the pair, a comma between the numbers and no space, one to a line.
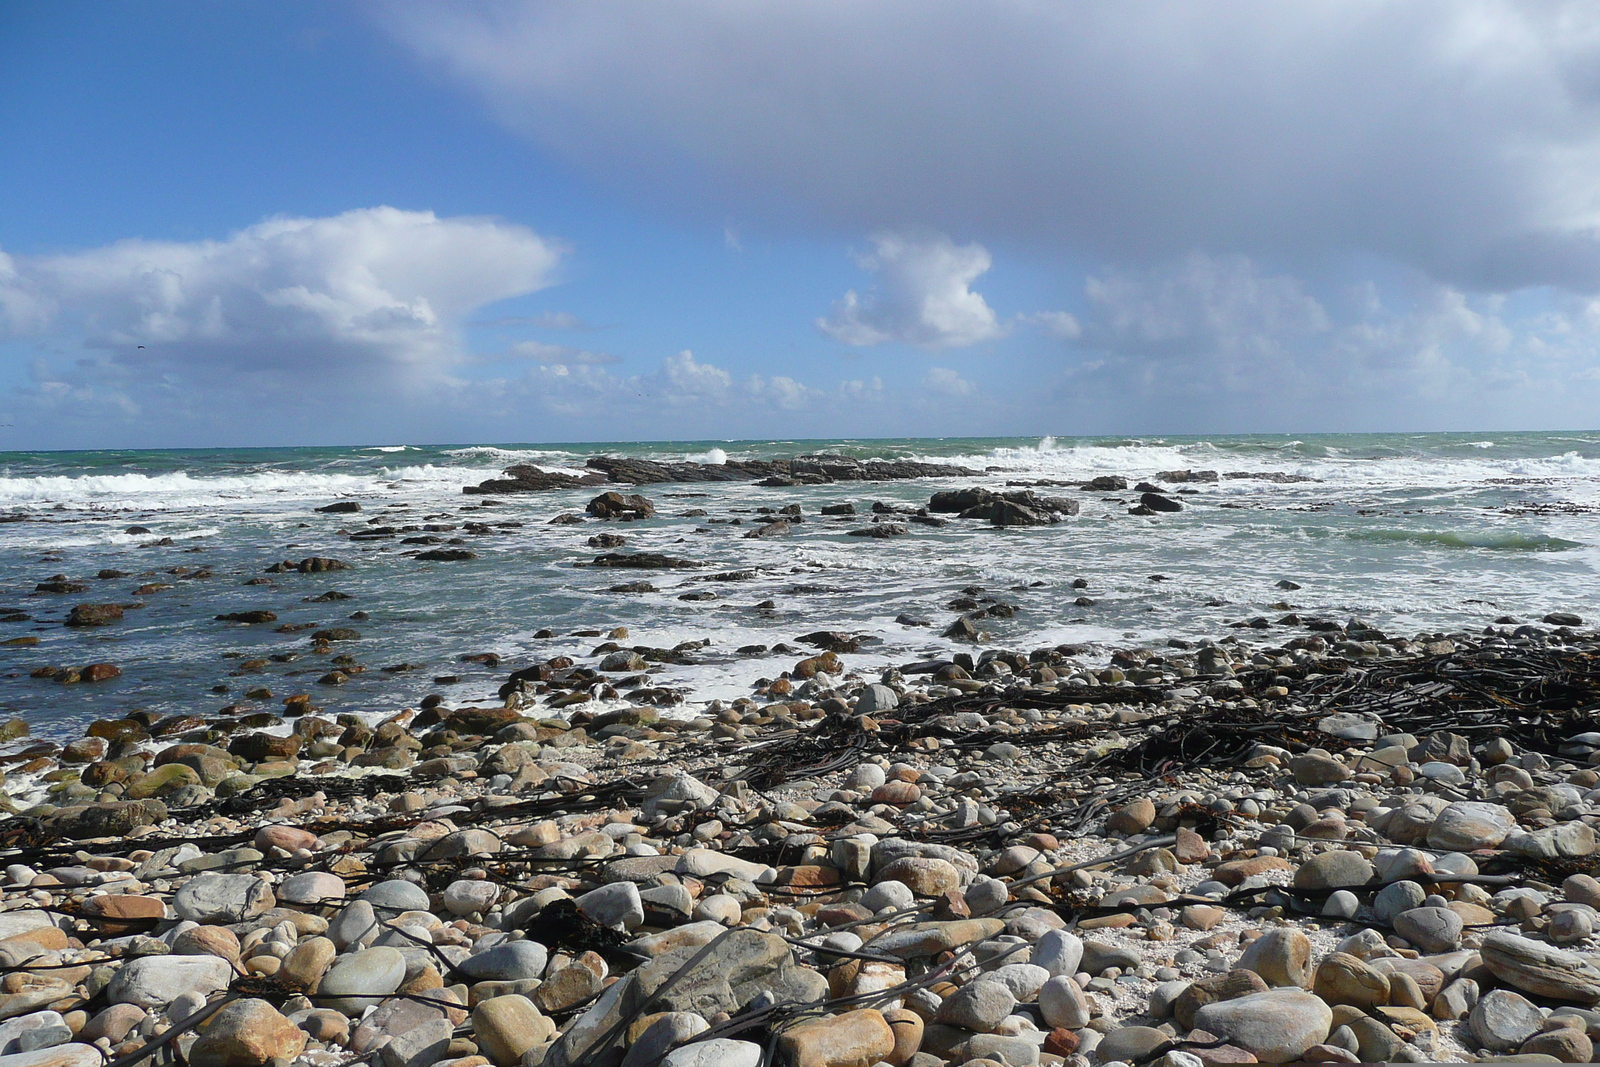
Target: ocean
(1408,532)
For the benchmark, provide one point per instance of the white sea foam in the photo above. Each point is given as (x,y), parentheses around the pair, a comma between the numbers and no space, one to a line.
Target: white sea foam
(178,490)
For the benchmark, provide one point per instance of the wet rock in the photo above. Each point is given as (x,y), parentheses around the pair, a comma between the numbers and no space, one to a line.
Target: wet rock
(613,505)
(85,615)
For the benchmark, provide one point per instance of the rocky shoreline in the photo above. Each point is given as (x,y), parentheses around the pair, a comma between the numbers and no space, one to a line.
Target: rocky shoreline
(819,469)
(1352,846)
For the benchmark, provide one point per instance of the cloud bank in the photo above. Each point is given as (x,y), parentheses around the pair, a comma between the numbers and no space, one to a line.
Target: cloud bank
(1457,137)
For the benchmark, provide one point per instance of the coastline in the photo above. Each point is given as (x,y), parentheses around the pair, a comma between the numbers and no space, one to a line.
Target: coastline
(853,831)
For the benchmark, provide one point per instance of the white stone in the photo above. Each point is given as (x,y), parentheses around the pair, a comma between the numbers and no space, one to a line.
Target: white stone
(155,981)
(718,1052)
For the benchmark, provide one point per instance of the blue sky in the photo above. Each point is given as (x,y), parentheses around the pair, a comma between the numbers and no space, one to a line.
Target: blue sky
(253,223)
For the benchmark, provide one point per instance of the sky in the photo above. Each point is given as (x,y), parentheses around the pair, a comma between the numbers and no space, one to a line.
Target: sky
(281,223)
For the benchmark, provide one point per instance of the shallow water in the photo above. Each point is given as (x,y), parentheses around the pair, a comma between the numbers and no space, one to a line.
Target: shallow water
(1408,531)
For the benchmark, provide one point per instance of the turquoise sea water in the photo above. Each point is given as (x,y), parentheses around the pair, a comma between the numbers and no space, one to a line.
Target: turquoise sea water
(1411,532)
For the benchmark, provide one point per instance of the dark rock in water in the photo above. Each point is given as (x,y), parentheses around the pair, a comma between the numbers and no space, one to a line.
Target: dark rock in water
(1275,477)
(802,470)
(94,614)
(963,629)
(446,555)
(60,584)
(641,561)
(839,509)
(1187,476)
(327,598)
(1157,502)
(958,500)
(769,529)
(1009,513)
(337,633)
(248,616)
(566,518)
(829,641)
(1083,602)
(705,594)
(881,529)
(607,540)
(526,478)
(1286,584)
(137,530)
(309,565)
(632,587)
(1147,487)
(109,573)
(614,505)
(911,620)
(1020,507)
(1141,509)
(1563,618)
(341,507)
(930,520)
(1106,483)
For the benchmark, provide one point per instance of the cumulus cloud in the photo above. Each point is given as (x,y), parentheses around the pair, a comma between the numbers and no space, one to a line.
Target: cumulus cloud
(1457,137)
(923,296)
(946,382)
(376,293)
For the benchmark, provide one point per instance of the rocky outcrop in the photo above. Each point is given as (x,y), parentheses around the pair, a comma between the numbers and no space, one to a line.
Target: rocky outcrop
(801,470)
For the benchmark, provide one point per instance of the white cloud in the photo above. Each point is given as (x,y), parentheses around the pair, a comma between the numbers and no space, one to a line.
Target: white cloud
(1221,336)
(1061,325)
(377,293)
(946,382)
(685,381)
(1456,137)
(548,320)
(1202,301)
(923,296)
(539,352)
